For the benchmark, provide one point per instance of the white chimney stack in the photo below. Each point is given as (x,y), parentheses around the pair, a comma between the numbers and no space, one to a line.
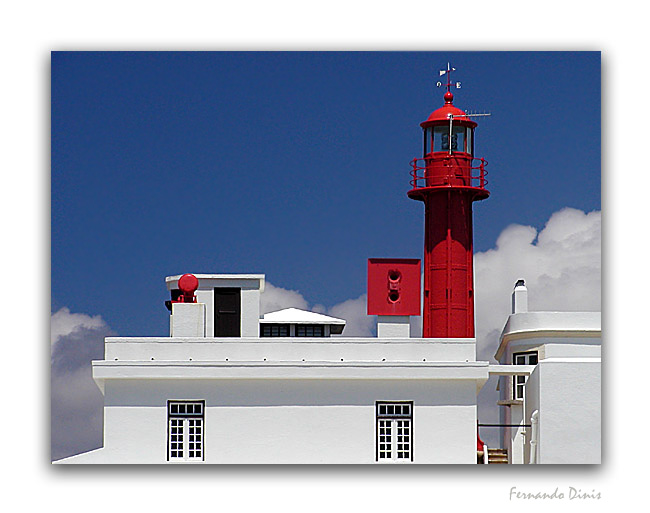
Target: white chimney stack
(520,298)
(187,320)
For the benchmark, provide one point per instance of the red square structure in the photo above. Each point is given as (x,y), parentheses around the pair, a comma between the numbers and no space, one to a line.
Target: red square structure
(394,286)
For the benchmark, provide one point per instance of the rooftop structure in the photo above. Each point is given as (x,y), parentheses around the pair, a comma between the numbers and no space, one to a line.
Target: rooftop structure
(293,322)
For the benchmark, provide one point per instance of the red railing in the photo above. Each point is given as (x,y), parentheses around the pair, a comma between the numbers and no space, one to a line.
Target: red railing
(479,181)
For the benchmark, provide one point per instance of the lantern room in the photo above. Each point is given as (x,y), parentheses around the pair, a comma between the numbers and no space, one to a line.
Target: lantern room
(448,130)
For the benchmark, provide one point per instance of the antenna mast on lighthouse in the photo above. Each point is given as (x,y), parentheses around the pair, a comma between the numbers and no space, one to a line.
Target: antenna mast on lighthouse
(448,179)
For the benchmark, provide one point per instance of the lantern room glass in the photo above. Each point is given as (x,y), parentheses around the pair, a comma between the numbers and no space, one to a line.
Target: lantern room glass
(436,139)
(469,146)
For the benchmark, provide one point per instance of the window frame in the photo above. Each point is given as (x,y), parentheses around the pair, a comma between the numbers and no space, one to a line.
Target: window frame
(427,148)
(433,139)
(469,141)
(280,327)
(520,381)
(312,326)
(393,418)
(186,417)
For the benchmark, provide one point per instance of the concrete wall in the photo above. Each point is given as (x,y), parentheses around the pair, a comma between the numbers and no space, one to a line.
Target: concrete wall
(568,396)
(393,326)
(516,455)
(290,349)
(187,320)
(532,395)
(250,308)
(288,421)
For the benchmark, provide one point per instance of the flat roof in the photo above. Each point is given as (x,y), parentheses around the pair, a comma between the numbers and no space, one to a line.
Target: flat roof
(245,280)
(549,324)
(219,277)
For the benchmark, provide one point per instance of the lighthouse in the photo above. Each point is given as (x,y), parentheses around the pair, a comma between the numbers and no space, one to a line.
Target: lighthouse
(448,179)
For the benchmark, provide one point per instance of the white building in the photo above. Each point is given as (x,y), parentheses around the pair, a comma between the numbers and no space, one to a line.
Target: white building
(551,412)
(248,398)
(231,386)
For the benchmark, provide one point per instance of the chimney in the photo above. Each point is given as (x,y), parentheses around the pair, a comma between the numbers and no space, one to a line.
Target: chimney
(520,298)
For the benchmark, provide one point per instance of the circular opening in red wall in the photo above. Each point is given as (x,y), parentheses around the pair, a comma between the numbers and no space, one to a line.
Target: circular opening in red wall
(394,275)
(393,296)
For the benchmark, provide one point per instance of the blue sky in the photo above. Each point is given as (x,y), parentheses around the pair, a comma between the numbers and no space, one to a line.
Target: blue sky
(292,164)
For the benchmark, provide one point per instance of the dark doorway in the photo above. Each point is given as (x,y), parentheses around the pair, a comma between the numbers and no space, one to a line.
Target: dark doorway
(227,312)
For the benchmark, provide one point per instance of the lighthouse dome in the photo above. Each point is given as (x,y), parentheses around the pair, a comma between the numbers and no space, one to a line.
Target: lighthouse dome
(443,113)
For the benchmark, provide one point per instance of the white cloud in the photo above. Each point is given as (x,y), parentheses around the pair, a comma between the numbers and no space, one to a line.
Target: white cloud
(561,266)
(276,298)
(354,311)
(76,402)
(77,413)
(63,323)
(358,324)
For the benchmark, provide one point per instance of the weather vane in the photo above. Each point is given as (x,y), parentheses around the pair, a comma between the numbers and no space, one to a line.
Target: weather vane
(448,72)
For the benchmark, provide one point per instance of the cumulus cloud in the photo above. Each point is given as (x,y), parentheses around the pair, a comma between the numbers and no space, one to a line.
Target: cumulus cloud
(354,311)
(358,324)
(561,265)
(63,323)
(76,402)
(276,298)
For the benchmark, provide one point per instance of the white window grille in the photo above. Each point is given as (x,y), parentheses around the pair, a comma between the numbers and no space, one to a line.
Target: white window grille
(394,431)
(518,382)
(185,430)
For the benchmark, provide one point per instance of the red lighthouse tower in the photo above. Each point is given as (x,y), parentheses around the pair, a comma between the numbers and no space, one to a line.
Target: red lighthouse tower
(448,179)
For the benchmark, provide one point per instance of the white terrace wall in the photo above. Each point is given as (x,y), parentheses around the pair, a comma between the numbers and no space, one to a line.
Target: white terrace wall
(567,393)
(290,421)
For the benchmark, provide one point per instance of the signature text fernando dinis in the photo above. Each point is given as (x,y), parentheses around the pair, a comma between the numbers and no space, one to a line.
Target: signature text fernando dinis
(570,494)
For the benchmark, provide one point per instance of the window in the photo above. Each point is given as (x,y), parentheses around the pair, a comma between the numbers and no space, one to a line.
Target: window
(185,430)
(310,330)
(275,330)
(437,139)
(529,358)
(394,431)
(441,138)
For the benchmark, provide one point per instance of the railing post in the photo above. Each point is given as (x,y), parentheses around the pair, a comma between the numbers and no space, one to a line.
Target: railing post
(414,174)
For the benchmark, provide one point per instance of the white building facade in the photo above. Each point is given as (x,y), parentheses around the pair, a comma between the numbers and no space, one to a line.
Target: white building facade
(197,398)
(551,411)
(231,386)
